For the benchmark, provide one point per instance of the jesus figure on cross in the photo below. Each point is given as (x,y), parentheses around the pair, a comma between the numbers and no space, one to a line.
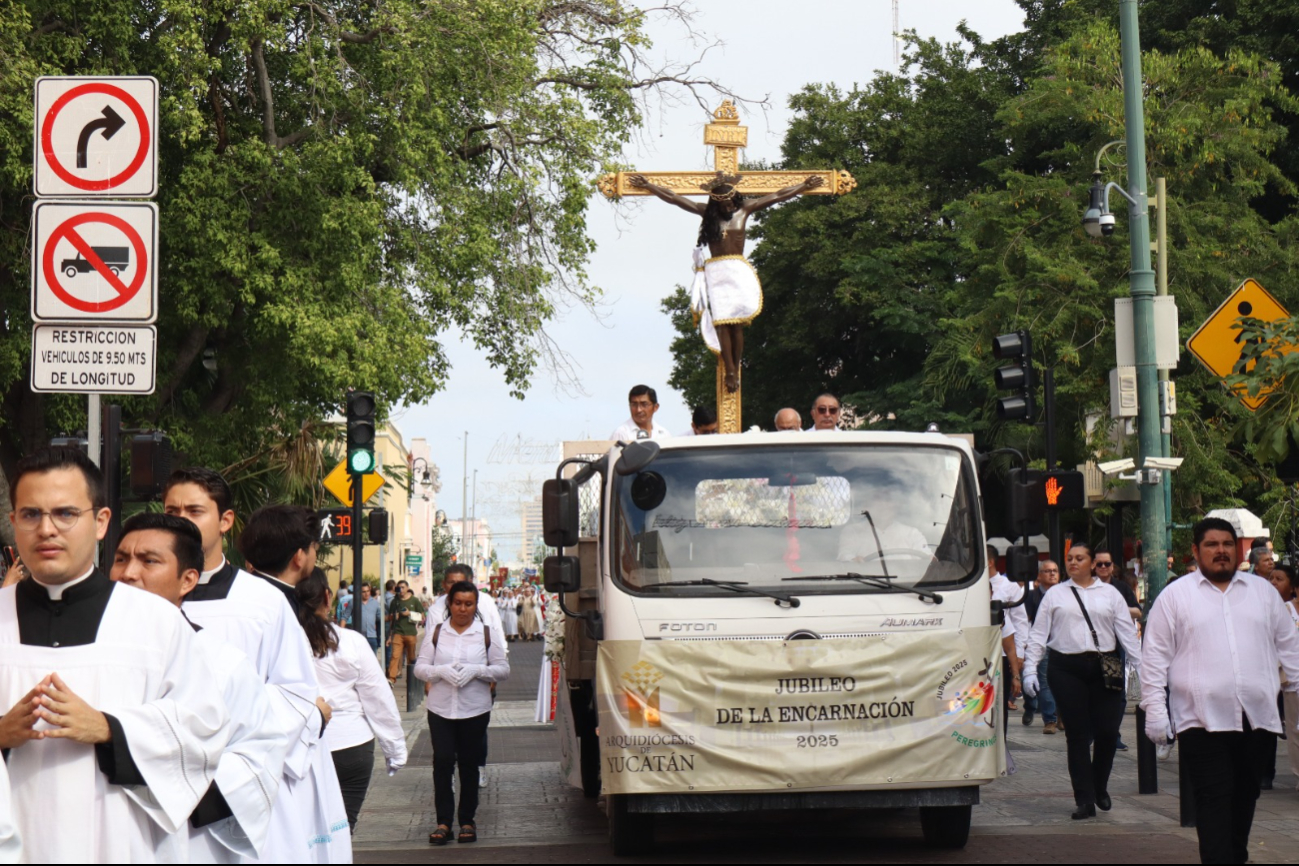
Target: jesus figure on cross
(726,295)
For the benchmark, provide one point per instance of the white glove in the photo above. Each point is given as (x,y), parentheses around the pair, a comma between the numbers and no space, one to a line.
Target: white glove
(394,767)
(444,672)
(1158,731)
(464,676)
(1030,685)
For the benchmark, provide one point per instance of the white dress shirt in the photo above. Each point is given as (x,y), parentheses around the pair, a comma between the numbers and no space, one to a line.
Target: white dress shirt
(1218,652)
(1016,621)
(628,432)
(468,650)
(1060,625)
(354,686)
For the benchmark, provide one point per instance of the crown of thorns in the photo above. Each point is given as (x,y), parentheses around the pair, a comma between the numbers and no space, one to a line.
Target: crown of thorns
(721,187)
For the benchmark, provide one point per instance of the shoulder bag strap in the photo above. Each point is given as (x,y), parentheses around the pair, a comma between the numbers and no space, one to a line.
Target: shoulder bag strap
(1090,627)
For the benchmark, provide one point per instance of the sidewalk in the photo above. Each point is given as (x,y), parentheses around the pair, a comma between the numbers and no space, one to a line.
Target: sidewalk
(529,813)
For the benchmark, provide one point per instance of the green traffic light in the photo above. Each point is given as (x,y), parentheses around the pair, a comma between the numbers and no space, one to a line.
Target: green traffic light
(360,462)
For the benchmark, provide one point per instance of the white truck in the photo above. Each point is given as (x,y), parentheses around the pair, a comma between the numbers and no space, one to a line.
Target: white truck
(776,621)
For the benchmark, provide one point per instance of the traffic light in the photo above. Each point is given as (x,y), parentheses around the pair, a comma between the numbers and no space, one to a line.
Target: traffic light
(150,465)
(360,433)
(1027,502)
(378,526)
(335,525)
(1016,377)
(1064,488)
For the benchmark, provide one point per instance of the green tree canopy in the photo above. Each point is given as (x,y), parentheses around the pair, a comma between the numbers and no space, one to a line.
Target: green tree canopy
(973,167)
(342,184)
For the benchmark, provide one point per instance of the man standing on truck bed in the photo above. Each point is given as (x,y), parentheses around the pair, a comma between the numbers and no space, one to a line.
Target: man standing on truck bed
(644,403)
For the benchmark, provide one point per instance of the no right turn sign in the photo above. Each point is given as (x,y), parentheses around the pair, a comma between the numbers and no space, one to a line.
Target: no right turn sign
(96,136)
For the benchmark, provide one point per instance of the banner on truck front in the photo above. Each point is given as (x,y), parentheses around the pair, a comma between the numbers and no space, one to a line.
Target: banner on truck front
(678,716)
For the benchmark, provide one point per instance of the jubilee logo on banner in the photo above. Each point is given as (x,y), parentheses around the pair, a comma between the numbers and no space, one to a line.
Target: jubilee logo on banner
(96,136)
(909,709)
(94,262)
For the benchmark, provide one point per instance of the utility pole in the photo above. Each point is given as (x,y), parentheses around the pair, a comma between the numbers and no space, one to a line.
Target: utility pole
(473,519)
(1141,286)
(464,501)
(1161,289)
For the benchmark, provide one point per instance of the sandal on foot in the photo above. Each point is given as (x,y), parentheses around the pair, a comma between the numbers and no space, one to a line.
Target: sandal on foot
(440,836)
(468,833)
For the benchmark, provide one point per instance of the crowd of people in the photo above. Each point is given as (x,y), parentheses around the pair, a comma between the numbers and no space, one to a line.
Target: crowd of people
(521,613)
(1218,664)
(181,709)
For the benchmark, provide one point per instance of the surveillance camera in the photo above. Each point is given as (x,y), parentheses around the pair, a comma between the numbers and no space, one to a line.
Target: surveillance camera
(1168,464)
(1107,224)
(1115,467)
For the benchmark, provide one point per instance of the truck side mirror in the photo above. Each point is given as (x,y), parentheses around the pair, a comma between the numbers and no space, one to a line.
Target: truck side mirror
(562,574)
(636,456)
(559,517)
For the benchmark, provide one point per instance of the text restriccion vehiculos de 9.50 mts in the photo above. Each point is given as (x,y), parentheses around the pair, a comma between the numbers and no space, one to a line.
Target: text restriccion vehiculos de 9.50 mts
(775,621)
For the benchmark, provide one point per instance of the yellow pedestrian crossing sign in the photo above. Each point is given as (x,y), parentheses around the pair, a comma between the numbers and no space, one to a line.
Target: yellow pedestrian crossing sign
(1218,342)
(339,483)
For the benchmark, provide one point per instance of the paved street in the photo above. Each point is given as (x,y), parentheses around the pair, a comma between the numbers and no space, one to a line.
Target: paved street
(530,815)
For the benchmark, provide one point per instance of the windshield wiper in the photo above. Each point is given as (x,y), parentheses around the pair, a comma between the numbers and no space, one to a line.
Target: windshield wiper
(878,582)
(734,586)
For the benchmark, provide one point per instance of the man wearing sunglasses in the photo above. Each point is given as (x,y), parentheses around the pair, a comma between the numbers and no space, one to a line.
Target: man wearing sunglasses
(825,413)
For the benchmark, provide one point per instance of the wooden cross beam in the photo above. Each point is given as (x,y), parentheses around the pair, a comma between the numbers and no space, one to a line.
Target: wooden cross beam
(727,137)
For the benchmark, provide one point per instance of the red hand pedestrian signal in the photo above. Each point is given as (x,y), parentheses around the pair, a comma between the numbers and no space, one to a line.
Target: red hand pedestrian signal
(1053,491)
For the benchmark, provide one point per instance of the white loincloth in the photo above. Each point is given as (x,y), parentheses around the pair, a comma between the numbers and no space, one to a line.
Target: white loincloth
(725,292)
(699,302)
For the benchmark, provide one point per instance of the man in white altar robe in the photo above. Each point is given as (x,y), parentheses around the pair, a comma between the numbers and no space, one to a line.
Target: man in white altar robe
(163,554)
(246,611)
(113,732)
(11,847)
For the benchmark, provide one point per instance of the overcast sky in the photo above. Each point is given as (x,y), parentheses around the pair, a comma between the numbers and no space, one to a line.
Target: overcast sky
(771,49)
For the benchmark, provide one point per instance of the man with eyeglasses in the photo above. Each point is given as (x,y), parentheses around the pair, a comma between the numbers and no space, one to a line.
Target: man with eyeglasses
(129,721)
(825,413)
(644,402)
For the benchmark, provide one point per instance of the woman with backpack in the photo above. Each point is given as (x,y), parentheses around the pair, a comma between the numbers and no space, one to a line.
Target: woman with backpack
(459,661)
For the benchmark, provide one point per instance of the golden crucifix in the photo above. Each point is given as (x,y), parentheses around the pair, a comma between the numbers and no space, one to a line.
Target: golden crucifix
(726,294)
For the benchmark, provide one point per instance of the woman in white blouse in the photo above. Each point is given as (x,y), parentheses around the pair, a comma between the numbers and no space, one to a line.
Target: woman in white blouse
(354,686)
(1073,649)
(459,661)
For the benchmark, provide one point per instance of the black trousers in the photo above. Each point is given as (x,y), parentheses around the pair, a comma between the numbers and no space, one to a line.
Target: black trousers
(1267,757)
(1094,713)
(354,766)
(457,741)
(1223,769)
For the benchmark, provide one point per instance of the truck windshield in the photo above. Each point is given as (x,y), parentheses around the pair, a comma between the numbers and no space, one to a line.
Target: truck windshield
(762,515)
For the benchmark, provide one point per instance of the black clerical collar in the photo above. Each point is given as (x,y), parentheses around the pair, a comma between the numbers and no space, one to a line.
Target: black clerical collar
(289,591)
(216,587)
(72,620)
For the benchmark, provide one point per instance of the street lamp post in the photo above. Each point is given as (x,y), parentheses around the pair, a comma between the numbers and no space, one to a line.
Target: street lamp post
(1141,286)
